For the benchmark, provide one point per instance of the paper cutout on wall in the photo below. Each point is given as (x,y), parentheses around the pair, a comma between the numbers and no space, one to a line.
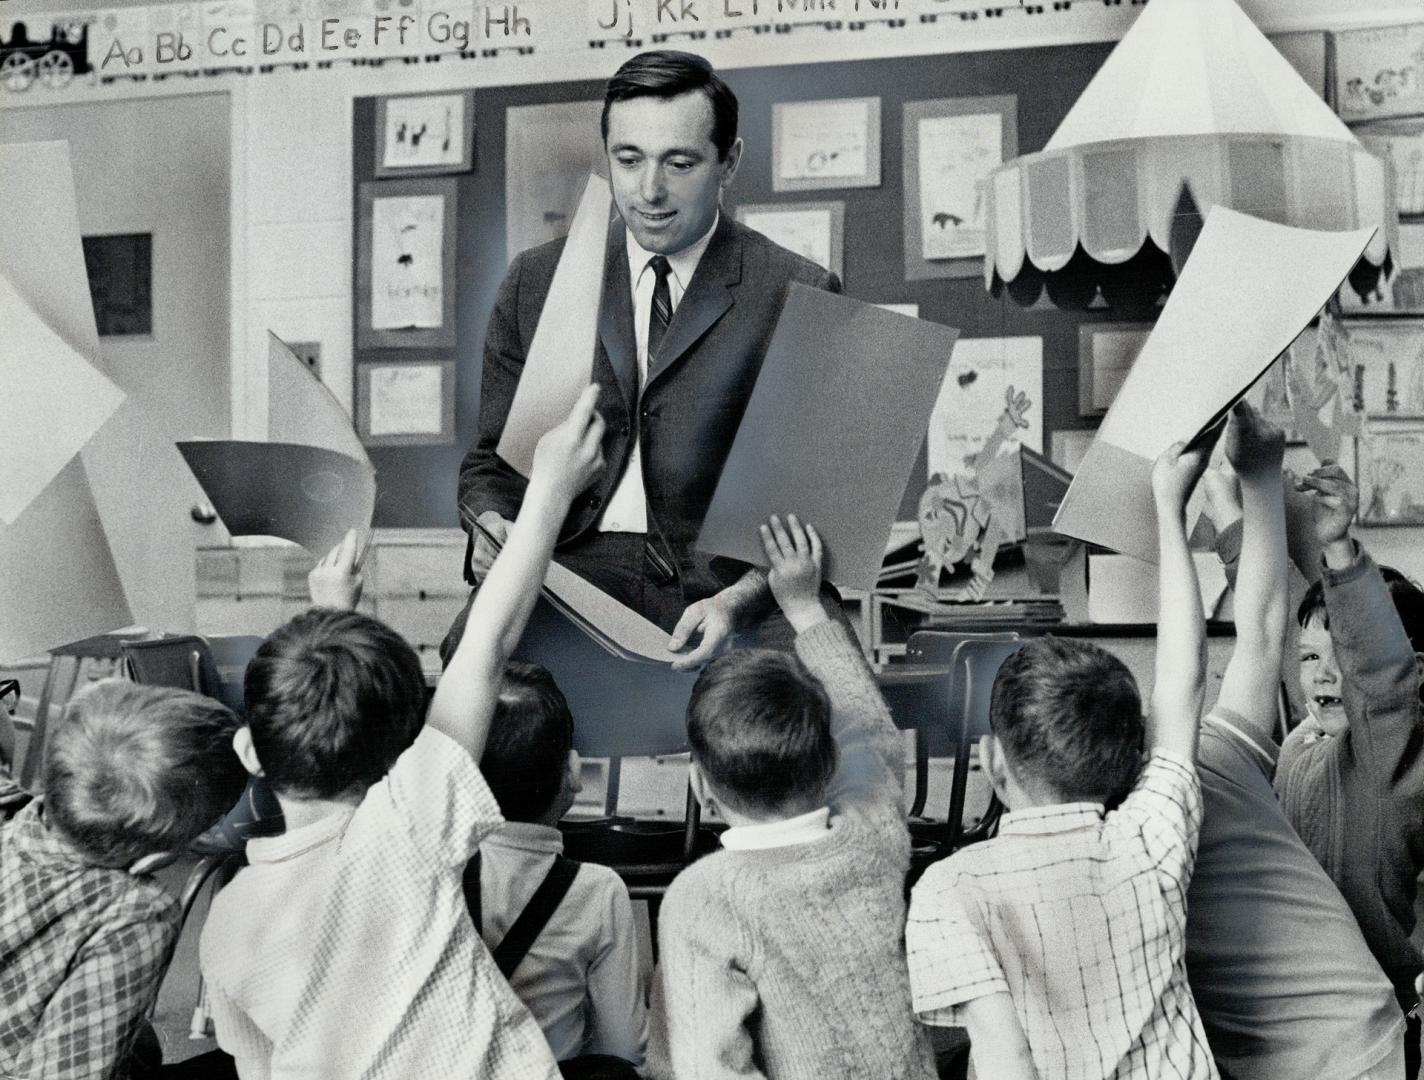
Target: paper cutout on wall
(306,494)
(54,403)
(1248,289)
(844,462)
(560,360)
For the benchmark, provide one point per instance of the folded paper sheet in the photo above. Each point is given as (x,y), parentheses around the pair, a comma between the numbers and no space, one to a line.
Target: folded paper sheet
(55,401)
(307,494)
(560,360)
(58,582)
(301,409)
(1247,291)
(832,431)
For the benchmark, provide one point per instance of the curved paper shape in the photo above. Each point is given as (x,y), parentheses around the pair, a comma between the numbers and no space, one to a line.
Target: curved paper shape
(1248,289)
(302,409)
(560,361)
(307,494)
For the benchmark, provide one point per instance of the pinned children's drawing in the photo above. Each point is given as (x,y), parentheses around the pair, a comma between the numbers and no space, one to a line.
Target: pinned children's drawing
(425,132)
(407,264)
(971,515)
(1392,474)
(957,153)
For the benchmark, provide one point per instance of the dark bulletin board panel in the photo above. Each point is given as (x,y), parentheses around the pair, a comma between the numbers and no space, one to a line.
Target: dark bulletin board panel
(417,484)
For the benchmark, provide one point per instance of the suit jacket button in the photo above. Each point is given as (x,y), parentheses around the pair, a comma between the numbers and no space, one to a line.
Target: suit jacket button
(595,502)
(625,431)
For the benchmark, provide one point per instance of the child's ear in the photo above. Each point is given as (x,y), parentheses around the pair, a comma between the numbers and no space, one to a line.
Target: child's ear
(246,752)
(575,773)
(991,757)
(699,785)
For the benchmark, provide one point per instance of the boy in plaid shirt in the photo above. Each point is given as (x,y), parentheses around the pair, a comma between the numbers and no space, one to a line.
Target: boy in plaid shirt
(131,773)
(1059,944)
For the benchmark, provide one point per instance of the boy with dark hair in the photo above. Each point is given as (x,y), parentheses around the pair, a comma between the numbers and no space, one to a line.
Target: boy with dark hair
(781,955)
(344,949)
(576,966)
(1059,943)
(1351,776)
(131,774)
(1284,981)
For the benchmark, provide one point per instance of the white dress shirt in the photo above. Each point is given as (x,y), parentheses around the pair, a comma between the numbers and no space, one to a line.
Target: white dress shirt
(627,509)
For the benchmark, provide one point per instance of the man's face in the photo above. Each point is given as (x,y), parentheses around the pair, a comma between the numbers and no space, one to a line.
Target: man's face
(1320,678)
(666,176)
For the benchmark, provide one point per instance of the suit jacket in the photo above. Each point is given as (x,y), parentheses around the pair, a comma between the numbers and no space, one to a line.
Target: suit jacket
(697,387)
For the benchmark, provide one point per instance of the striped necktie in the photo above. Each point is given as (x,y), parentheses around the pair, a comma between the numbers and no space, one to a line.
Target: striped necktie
(661,313)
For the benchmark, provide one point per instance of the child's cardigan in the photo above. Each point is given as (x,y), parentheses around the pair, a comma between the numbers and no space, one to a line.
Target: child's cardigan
(1357,800)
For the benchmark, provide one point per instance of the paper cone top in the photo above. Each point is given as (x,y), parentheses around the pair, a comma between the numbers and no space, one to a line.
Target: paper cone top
(1195,67)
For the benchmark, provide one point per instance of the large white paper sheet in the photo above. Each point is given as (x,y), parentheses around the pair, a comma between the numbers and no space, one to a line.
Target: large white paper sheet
(302,409)
(54,403)
(58,581)
(560,361)
(1246,293)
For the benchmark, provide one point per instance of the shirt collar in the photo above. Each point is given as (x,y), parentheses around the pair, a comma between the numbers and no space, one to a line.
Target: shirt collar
(683,263)
(295,842)
(28,832)
(526,836)
(1047,820)
(801,829)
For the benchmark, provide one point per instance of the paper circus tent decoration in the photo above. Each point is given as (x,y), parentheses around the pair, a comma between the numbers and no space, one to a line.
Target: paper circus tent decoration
(1194,108)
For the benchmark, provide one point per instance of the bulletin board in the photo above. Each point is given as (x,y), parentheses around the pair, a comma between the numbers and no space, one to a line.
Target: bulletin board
(418,482)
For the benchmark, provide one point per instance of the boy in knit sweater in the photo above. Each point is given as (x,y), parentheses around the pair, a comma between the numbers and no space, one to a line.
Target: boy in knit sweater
(1059,944)
(781,955)
(1351,776)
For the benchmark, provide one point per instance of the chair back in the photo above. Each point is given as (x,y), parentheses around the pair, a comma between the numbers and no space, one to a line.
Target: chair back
(184,662)
(976,664)
(939,648)
(231,655)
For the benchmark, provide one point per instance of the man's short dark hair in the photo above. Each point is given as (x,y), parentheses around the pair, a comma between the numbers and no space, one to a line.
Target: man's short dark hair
(760,728)
(136,770)
(667,73)
(333,698)
(530,736)
(1067,713)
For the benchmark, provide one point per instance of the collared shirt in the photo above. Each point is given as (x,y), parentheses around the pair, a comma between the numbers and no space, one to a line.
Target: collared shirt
(801,829)
(1281,974)
(1080,916)
(82,953)
(581,977)
(627,509)
(345,947)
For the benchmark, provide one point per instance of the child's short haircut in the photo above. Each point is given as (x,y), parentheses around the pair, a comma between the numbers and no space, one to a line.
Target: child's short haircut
(530,737)
(1408,601)
(1068,713)
(760,728)
(136,770)
(333,698)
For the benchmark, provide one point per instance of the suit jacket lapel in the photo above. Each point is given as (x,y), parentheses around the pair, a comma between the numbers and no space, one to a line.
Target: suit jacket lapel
(708,296)
(615,315)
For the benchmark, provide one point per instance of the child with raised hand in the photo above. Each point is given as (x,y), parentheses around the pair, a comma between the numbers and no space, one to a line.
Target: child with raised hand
(1351,777)
(131,774)
(345,949)
(1285,983)
(781,955)
(1059,943)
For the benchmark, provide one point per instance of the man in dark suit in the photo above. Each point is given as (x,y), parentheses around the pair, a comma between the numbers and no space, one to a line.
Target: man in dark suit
(690,299)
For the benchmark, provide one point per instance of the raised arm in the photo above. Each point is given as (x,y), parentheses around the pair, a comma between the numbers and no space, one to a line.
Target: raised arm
(567,458)
(1181,627)
(1251,686)
(1378,667)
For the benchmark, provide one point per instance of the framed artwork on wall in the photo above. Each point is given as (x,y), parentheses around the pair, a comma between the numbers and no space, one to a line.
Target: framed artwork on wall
(811,229)
(405,264)
(825,144)
(951,145)
(1379,71)
(425,134)
(1106,352)
(1391,473)
(404,403)
(1388,356)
